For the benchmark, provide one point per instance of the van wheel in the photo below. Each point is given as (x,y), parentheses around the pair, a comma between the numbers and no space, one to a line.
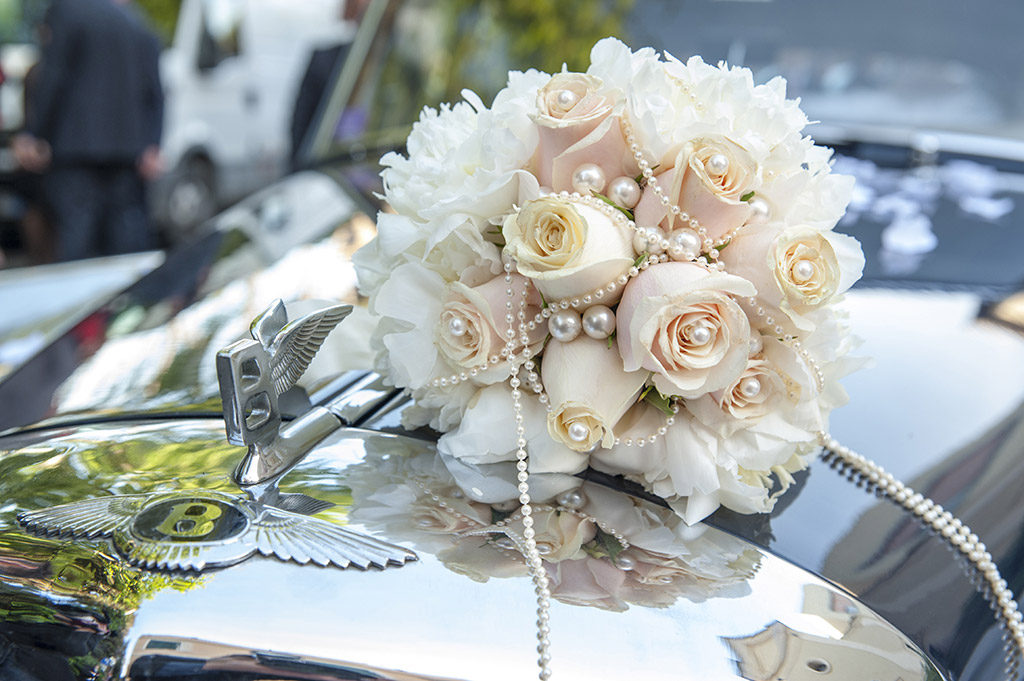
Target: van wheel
(191,199)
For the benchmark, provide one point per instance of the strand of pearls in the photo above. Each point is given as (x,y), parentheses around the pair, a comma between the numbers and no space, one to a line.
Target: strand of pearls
(790,340)
(944,523)
(529,543)
(653,437)
(542,547)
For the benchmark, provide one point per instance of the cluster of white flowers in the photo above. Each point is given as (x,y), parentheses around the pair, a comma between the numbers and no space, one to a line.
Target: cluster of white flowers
(650,244)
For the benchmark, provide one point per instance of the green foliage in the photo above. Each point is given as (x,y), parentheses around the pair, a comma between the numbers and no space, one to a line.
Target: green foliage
(162,16)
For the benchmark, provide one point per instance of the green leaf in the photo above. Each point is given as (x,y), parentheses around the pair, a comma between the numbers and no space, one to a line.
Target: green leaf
(655,398)
(543,302)
(625,211)
(611,340)
(746,197)
(640,259)
(609,543)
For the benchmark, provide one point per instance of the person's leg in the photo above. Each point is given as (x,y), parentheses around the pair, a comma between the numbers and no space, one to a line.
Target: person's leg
(127,228)
(75,196)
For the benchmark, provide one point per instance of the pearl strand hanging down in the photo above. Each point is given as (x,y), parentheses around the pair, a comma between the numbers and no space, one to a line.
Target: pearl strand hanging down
(528,544)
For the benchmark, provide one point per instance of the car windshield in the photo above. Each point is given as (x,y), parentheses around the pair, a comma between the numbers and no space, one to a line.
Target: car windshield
(871,69)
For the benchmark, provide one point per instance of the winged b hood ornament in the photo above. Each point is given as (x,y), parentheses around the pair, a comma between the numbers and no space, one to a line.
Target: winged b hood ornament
(199,529)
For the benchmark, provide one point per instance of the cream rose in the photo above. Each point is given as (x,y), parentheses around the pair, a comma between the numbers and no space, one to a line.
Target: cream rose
(469,330)
(750,396)
(568,249)
(708,179)
(796,269)
(679,321)
(575,126)
(588,392)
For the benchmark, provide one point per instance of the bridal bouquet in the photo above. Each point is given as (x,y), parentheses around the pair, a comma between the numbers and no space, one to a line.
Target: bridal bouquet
(631,269)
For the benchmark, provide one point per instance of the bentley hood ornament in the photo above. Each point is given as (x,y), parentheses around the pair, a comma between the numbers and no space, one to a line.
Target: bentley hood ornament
(254,373)
(198,529)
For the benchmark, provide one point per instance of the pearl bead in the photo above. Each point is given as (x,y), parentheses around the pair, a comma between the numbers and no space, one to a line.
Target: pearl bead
(457,326)
(700,334)
(588,178)
(625,562)
(803,270)
(567,99)
(544,548)
(598,322)
(649,240)
(718,164)
(578,432)
(750,387)
(624,191)
(572,499)
(683,244)
(756,344)
(565,325)
(760,210)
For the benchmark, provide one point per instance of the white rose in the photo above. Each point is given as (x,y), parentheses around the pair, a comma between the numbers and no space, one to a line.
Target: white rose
(470,331)
(751,395)
(707,179)
(588,391)
(570,100)
(568,249)
(796,269)
(679,321)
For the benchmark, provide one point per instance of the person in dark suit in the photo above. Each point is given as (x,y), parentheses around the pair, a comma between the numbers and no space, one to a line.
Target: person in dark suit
(96,121)
(320,73)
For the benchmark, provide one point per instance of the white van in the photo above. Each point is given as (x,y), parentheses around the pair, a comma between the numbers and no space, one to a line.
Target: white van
(230,80)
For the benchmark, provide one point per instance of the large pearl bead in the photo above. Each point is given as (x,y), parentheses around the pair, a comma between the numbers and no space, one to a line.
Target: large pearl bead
(803,270)
(457,326)
(624,191)
(683,244)
(649,240)
(700,334)
(578,432)
(565,325)
(760,211)
(625,562)
(544,548)
(504,543)
(750,387)
(567,99)
(718,164)
(588,178)
(598,321)
(572,499)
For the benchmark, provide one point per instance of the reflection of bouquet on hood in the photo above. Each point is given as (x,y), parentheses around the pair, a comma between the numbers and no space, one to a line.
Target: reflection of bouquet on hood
(599,547)
(650,246)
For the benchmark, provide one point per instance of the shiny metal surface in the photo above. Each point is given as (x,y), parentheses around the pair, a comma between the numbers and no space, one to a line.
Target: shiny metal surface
(704,604)
(254,374)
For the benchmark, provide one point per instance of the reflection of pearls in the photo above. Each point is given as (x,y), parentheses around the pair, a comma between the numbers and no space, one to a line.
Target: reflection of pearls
(624,191)
(718,164)
(760,210)
(625,562)
(700,334)
(578,432)
(588,178)
(564,325)
(544,548)
(457,326)
(572,499)
(567,99)
(598,322)
(803,270)
(683,244)
(750,387)
(504,543)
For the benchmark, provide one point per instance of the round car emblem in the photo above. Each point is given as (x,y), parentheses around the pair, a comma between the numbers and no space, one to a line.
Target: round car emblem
(189,519)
